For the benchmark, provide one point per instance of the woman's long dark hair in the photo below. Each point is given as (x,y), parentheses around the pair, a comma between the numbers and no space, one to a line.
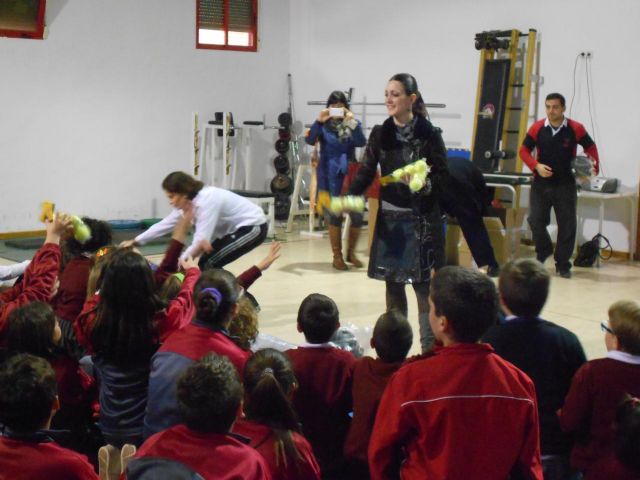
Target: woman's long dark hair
(31,330)
(124,331)
(209,308)
(410,85)
(268,380)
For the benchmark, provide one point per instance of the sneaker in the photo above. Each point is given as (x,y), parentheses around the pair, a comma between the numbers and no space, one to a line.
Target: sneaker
(564,273)
(126,454)
(109,463)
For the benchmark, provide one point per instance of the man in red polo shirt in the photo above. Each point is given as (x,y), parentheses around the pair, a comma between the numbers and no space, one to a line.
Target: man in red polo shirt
(555,139)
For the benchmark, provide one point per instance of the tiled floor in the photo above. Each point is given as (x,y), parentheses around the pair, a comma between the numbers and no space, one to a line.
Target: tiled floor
(578,304)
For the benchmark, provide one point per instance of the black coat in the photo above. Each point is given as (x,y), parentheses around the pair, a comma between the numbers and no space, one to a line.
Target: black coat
(384,149)
(464,193)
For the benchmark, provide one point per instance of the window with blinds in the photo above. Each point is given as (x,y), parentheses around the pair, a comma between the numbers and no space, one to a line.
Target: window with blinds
(227,24)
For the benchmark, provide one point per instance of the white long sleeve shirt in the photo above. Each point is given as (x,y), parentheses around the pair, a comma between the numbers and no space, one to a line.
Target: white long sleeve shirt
(217,213)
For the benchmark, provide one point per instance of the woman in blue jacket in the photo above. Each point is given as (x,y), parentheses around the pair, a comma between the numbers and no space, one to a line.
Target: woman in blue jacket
(338,133)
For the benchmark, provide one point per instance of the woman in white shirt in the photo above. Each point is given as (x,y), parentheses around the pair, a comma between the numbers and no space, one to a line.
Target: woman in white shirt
(226,225)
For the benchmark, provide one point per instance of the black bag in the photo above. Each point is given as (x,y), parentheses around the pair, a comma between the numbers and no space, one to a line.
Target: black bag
(589,251)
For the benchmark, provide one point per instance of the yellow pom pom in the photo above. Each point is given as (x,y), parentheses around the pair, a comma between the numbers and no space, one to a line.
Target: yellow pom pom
(397,174)
(416,183)
(82,233)
(410,169)
(336,205)
(421,166)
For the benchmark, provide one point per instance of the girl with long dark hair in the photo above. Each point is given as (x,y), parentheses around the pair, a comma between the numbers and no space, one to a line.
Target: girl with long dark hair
(122,327)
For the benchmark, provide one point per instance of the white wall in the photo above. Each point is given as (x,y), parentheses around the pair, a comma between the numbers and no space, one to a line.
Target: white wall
(97,114)
(337,44)
(94,116)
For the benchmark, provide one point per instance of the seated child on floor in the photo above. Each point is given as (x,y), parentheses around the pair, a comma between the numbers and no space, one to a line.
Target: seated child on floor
(209,397)
(392,339)
(624,462)
(601,384)
(34,329)
(325,375)
(80,257)
(548,353)
(270,420)
(462,412)
(40,276)
(28,401)
(122,331)
(243,329)
(215,296)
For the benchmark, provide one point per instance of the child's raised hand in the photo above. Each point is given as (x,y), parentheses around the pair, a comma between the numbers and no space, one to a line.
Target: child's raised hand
(189,262)
(127,244)
(61,222)
(272,256)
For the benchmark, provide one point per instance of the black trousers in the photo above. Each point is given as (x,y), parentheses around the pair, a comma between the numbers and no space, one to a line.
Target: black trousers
(233,246)
(563,198)
(476,235)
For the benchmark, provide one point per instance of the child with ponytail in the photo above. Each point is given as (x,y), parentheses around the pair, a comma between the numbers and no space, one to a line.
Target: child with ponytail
(215,296)
(271,422)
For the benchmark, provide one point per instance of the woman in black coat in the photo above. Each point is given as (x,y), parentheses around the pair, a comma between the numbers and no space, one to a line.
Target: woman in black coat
(409,238)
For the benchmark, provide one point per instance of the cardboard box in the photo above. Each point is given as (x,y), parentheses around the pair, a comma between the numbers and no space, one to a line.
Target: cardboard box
(510,217)
(505,235)
(456,249)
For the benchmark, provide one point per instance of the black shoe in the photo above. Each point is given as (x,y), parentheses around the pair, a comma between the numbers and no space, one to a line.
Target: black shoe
(493,271)
(542,259)
(564,273)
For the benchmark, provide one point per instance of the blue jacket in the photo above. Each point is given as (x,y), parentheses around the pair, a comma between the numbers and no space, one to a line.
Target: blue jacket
(334,155)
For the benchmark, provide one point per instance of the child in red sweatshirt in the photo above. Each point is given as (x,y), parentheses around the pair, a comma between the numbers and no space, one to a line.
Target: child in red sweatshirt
(325,375)
(392,338)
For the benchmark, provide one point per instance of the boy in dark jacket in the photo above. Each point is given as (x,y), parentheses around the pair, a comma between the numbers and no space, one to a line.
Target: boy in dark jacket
(548,353)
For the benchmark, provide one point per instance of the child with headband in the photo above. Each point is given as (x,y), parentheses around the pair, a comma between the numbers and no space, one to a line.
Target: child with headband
(215,296)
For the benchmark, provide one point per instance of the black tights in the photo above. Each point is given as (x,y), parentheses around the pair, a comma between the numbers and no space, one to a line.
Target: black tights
(397,300)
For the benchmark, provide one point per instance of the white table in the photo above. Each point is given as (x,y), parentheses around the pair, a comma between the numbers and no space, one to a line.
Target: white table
(631,197)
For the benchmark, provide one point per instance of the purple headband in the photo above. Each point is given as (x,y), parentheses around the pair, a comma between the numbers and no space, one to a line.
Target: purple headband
(215,293)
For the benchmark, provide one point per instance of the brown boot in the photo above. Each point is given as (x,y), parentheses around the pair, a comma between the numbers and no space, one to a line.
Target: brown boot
(335,236)
(354,233)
